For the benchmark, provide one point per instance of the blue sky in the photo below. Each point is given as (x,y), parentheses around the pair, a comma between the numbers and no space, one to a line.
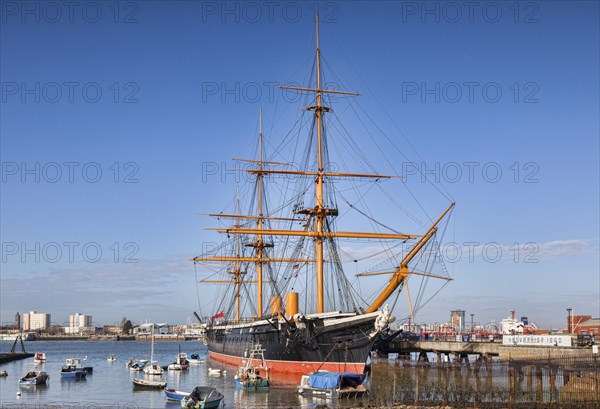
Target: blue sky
(152,94)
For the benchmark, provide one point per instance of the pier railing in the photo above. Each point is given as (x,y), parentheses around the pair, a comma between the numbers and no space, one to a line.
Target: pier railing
(565,382)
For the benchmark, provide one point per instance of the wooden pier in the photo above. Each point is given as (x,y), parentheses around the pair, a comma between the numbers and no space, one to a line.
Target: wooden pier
(14,356)
(486,350)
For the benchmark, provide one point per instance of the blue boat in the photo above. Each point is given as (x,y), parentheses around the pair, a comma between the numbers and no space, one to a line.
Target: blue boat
(72,372)
(324,384)
(175,395)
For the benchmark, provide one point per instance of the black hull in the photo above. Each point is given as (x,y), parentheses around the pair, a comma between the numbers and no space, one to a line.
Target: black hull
(287,343)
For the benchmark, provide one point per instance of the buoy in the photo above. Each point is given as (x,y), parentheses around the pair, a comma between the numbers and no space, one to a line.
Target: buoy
(18,393)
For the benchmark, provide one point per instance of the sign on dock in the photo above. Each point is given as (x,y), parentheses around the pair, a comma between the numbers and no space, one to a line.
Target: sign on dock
(538,340)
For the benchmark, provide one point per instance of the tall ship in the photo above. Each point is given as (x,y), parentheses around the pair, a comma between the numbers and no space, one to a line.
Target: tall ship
(280,265)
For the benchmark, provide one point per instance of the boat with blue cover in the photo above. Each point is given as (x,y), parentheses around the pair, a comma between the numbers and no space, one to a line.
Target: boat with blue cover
(326,384)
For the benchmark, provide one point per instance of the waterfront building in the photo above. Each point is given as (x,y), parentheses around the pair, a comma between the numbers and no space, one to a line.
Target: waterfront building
(79,323)
(457,318)
(18,321)
(583,325)
(34,321)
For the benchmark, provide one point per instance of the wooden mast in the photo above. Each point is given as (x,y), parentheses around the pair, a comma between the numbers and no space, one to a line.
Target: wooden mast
(259,223)
(402,271)
(319,205)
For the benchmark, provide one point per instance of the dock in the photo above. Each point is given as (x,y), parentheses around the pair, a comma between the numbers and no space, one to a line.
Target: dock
(485,350)
(14,356)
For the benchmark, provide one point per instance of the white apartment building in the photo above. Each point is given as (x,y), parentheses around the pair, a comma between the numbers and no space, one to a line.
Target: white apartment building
(78,323)
(33,321)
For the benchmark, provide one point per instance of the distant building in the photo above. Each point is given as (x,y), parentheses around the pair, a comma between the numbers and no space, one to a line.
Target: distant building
(583,325)
(17,321)
(34,321)
(159,329)
(79,323)
(457,319)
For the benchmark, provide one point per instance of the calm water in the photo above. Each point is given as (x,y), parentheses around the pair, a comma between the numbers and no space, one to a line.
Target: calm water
(110,384)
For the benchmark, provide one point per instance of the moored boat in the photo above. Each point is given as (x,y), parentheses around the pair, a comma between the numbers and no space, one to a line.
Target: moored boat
(254,374)
(181,363)
(149,383)
(111,358)
(175,395)
(196,359)
(326,384)
(153,368)
(34,378)
(202,397)
(72,372)
(39,358)
(76,363)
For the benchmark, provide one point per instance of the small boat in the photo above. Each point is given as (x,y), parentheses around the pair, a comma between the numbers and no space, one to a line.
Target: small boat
(39,358)
(138,366)
(34,378)
(326,384)
(111,358)
(147,383)
(132,361)
(72,372)
(181,363)
(76,362)
(254,373)
(3,373)
(195,359)
(216,372)
(153,368)
(203,397)
(175,395)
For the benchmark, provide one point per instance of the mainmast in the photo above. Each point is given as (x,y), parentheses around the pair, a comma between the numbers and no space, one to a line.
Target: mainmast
(259,244)
(319,205)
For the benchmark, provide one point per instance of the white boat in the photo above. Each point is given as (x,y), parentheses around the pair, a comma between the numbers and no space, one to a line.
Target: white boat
(138,366)
(34,378)
(39,358)
(175,395)
(3,373)
(153,368)
(147,383)
(195,359)
(324,384)
(216,372)
(111,358)
(181,363)
(76,363)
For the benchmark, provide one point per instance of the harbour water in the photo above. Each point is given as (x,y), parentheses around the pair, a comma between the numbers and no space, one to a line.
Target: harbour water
(110,384)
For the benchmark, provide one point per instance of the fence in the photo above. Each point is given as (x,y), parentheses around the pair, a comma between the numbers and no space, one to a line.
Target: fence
(566,382)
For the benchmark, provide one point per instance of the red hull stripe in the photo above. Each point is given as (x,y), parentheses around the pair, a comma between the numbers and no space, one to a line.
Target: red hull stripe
(303,367)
